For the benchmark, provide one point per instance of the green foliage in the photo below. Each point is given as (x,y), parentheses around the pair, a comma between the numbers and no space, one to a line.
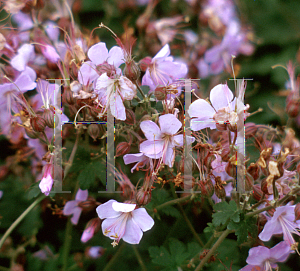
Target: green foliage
(242,229)
(225,212)
(177,254)
(160,196)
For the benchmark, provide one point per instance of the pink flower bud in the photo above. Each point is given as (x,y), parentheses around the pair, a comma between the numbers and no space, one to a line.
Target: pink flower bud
(91,228)
(144,63)
(94,131)
(47,180)
(48,116)
(38,124)
(132,71)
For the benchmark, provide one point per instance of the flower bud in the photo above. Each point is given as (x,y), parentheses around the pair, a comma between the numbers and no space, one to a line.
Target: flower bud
(68,94)
(144,63)
(143,197)
(31,133)
(207,188)
(38,124)
(94,252)
(4,170)
(91,229)
(160,93)
(297,211)
(130,117)
(221,126)
(253,170)
(248,182)
(94,131)
(122,148)
(250,130)
(292,108)
(132,71)
(48,116)
(88,205)
(47,180)
(230,169)
(106,68)
(257,192)
(146,117)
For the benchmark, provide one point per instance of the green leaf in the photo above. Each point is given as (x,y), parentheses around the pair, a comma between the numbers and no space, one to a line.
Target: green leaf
(243,228)
(33,191)
(87,177)
(177,254)
(159,106)
(210,228)
(224,212)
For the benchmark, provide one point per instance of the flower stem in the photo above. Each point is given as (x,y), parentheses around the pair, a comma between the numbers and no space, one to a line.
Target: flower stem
(172,202)
(139,258)
(140,90)
(67,244)
(20,218)
(213,249)
(114,258)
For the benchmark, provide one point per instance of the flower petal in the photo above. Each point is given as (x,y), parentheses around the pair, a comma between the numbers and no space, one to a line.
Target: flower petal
(149,147)
(169,124)
(87,73)
(115,56)
(117,107)
(198,124)
(220,96)
(133,233)
(150,130)
(257,255)
(106,210)
(201,109)
(281,251)
(123,207)
(163,52)
(69,207)
(271,227)
(98,53)
(82,195)
(76,215)
(143,219)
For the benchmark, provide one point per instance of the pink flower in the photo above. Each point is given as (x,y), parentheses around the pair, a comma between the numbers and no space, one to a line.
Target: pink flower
(47,180)
(221,110)
(140,159)
(163,70)
(24,55)
(161,141)
(72,208)
(112,93)
(94,252)
(283,221)
(122,220)
(263,258)
(91,229)
(98,54)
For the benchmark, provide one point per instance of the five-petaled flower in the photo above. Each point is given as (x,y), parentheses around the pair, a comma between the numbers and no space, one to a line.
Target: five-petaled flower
(72,206)
(123,221)
(264,259)
(224,109)
(161,141)
(283,221)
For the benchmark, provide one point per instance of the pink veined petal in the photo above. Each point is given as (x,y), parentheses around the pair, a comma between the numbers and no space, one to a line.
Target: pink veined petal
(87,73)
(270,228)
(220,96)
(133,233)
(106,210)
(30,72)
(257,255)
(249,267)
(150,147)
(150,130)
(174,69)
(115,56)
(50,53)
(169,124)
(147,80)
(127,89)
(163,53)
(281,251)
(98,53)
(201,109)
(142,219)
(87,235)
(76,215)
(133,158)
(113,226)
(123,207)
(69,207)
(102,83)
(117,107)
(198,124)
(25,53)
(82,195)
(169,155)
(24,83)
(178,140)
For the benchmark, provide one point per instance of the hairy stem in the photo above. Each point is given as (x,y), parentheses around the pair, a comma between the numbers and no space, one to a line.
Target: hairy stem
(172,202)
(139,258)
(213,249)
(114,258)
(20,218)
